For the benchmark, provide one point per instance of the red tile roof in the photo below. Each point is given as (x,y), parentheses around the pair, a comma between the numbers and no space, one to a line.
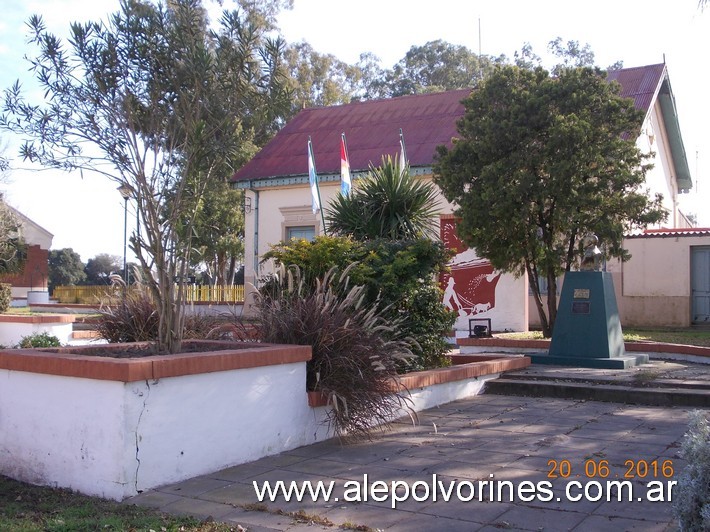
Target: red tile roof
(639,83)
(372,129)
(673,231)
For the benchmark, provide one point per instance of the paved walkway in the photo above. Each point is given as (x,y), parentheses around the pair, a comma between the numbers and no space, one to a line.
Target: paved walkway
(681,372)
(514,439)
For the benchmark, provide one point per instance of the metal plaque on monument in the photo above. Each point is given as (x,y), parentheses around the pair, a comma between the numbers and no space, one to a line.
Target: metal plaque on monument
(587,330)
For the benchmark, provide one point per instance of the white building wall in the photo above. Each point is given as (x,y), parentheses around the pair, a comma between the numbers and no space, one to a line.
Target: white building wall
(660,179)
(653,289)
(281,207)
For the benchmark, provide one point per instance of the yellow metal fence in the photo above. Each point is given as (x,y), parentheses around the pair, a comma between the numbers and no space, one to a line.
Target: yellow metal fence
(93,295)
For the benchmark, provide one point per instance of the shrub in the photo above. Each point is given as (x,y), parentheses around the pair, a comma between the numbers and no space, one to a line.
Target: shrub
(315,258)
(428,321)
(691,501)
(39,340)
(355,351)
(399,275)
(5,296)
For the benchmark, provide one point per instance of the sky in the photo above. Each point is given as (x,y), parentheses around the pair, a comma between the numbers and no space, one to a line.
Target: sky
(86,212)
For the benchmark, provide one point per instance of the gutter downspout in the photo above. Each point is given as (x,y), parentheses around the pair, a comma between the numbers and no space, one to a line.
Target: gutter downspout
(255,209)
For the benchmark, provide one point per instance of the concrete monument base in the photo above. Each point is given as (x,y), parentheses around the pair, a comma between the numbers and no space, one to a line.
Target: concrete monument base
(587,330)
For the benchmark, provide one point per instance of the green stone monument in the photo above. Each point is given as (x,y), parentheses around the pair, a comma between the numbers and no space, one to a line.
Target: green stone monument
(587,330)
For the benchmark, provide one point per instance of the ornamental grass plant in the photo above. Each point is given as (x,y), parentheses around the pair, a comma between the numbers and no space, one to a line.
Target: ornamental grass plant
(356,351)
(131,315)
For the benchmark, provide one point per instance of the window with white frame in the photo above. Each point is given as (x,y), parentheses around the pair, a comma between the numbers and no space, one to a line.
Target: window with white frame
(303,232)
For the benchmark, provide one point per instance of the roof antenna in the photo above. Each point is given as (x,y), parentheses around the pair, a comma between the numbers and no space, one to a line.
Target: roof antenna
(664,58)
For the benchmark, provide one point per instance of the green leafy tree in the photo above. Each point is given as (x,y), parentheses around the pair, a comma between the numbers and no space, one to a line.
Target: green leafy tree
(570,54)
(320,79)
(155,100)
(99,269)
(387,203)
(65,268)
(433,67)
(542,161)
(219,233)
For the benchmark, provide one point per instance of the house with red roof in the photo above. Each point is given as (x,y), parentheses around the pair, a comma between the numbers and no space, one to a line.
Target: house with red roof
(278,197)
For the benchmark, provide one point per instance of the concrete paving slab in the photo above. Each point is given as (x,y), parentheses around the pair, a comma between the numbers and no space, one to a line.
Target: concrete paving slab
(530,518)
(240,472)
(153,499)
(316,449)
(514,451)
(427,523)
(236,494)
(477,512)
(194,486)
(375,517)
(258,521)
(595,523)
(198,508)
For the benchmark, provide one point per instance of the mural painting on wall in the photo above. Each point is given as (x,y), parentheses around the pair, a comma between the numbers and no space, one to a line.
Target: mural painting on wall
(470,287)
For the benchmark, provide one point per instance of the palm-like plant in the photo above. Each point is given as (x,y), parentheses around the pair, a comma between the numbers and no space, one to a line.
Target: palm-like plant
(388,203)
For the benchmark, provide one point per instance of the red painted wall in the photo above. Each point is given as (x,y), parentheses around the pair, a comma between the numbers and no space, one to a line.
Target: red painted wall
(35,272)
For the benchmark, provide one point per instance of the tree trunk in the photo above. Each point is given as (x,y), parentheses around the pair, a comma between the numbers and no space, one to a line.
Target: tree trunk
(535,287)
(551,299)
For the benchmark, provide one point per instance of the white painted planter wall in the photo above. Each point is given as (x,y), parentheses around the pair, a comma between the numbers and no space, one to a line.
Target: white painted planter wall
(12,332)
(439,394)
(115,439)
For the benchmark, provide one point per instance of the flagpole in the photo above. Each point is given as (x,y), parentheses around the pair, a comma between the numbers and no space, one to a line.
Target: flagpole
(347,159)
(345,143)
(403,152)
(320,203)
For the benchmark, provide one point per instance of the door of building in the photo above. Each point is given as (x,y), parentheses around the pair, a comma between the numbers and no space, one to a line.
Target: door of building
(700,284)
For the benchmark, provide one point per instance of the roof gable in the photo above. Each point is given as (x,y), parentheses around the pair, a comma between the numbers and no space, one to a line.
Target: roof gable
(639,83)
(648,85)
(31,231)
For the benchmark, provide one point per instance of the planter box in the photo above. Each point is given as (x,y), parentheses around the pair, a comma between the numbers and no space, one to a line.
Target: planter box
(13,328)
(464,378)
(114,427)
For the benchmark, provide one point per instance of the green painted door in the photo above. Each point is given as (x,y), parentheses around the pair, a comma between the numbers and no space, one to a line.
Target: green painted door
(700,284)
